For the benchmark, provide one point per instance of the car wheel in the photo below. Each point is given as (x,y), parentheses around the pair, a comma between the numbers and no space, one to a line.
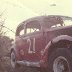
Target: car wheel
(13,59)
(60,61)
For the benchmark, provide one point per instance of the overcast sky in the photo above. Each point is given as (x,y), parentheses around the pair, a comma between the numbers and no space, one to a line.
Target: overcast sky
(17,11)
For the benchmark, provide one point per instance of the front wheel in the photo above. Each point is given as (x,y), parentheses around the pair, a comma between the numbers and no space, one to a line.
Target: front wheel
(15,66)
(60,61)
(13,59)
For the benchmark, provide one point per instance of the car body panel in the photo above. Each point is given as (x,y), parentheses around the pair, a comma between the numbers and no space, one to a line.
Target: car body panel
(32,48)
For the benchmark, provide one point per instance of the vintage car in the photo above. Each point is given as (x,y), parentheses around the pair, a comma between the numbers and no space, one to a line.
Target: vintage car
(44,42)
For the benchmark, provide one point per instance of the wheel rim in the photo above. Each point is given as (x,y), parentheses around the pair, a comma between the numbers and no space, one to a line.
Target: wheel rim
(61,64)
(13,60)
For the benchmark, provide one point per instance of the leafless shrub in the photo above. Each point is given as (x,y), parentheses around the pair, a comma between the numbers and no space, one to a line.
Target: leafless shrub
(5,43)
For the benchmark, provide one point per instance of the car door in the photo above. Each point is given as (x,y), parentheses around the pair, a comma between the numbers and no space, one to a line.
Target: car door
(34,41)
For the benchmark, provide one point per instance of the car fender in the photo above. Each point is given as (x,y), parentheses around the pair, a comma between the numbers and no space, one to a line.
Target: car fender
(62,37)
(57,39)
(44,58)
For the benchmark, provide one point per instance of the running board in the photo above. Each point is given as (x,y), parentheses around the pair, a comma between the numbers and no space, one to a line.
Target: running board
(28,63)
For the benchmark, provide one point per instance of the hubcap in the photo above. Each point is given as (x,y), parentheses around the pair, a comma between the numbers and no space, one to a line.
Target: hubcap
(61,64)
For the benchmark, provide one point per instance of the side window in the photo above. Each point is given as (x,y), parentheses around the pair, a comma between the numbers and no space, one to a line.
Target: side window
(31,30)
(32,26)
(21,32)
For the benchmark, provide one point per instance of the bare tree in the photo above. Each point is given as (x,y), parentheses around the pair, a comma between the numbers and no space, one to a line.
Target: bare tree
(4,42)
(2,22)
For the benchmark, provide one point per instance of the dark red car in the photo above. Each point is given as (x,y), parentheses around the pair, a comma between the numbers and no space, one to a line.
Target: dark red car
(44,42)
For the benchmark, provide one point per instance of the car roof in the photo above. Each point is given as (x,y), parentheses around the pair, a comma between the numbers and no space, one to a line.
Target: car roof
(41,18)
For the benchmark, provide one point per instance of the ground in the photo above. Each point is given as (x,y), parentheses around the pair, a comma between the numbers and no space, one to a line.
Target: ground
(5,66)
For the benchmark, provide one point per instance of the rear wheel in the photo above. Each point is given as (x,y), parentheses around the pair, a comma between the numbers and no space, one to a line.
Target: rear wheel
(60,61)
